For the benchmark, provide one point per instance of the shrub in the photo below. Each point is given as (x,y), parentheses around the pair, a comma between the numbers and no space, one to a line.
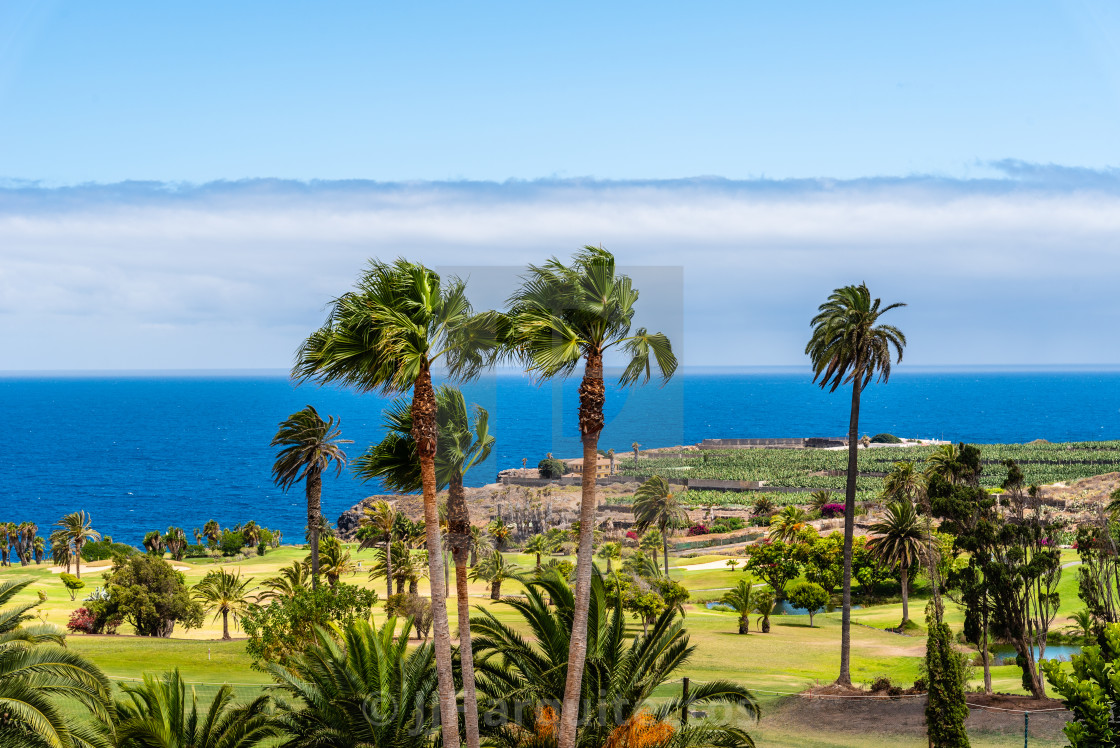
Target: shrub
(94,619)
(728,524)
(698,529)
(103,550)
(72,583)
(885,439)
(631,535)
(148,593)
(231,543)
(828,511)
(418,608)
(196,551)
(550,467)
(808,595)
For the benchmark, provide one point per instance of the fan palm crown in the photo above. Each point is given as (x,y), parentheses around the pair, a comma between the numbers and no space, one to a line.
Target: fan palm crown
(741,599)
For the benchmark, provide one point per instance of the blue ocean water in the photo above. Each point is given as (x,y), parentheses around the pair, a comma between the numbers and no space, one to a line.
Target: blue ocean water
(143,452)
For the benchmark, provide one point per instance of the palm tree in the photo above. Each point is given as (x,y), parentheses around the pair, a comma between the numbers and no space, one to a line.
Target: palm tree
(464,441)
(288,581)
(904,483)
(75,530)
(786,524)
(309,446)
(610,552)
(176,541)
(562,315)
(820,499)
(656,504)
(499,533)
(494,569)
(212,531)
(158,714)
(39,546)
(945,461)
(651,541)
(848,347)
(742,600)
(899,542)
(61,551)
(334,560)
(37,676)
(538,545)
(387,335)
(1083,623)
(378,521)
(764,605)
(358,686)
(252,534)
(225,593)
(153,542)
(635,446)
(529,659)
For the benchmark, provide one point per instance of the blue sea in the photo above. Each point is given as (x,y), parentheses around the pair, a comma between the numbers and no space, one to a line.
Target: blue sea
(147,451)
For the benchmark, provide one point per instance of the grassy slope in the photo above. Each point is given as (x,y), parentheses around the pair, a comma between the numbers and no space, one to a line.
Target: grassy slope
(790,658)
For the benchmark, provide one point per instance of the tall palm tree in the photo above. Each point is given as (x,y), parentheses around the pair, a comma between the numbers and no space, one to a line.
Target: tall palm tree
(44,687)
(176,540)
(528,660)
(562,315)
(75,529)
(358,686)
(494,569)
(848,346)
(309,446)
(377,521)
(741,599)
(225,593)
(464,441)
(656,504)
(386,335)
(157,713)
(898,542)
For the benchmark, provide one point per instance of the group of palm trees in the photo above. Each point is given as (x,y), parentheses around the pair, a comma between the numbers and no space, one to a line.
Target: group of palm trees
(21,542)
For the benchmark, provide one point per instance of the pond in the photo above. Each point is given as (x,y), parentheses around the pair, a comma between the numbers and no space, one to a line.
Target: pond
(1004,654)
(781,609)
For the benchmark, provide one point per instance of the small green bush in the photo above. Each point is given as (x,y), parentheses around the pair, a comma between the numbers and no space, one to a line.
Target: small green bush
(885,439)
(72,583)
(103,550)
(231,543)
(550,467)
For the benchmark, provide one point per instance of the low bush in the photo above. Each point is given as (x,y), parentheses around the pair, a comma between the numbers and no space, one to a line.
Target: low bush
(550,467)
(829,511)
(196,551)
(885,439)
(103,550)
(698,529)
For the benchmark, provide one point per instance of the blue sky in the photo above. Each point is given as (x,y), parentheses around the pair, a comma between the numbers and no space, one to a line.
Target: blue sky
(959,156)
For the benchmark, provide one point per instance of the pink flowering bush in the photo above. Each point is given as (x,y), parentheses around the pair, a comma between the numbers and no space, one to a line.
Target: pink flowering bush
(828,511)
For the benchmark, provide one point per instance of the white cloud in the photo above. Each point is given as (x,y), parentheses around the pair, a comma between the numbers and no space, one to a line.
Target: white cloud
(1016,269)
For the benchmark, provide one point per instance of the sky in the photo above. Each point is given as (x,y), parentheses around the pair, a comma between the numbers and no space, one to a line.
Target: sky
(188,185)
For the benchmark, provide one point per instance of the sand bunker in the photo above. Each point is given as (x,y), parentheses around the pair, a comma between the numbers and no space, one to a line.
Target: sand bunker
(91,569)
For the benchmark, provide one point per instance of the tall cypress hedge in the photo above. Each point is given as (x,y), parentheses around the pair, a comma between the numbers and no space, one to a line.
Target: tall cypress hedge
(946,709)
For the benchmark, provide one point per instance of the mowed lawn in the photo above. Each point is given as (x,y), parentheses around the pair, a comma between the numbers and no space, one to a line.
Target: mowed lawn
(789,659)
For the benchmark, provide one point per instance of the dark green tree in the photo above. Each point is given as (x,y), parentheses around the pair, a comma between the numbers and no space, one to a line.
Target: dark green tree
(148,593)
(1090,690)
(946,709)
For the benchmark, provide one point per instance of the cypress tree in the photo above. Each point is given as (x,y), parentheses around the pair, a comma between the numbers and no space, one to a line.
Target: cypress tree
(946,709)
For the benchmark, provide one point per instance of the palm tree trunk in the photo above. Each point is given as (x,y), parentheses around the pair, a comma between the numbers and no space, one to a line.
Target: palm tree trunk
(424,432)
(459,538)
(225,624)
(592,393)
(388,567)
(496,589)
(845,678)
(905,593)
(446,571)
(665,549)
(314,497)
(78,556)
(744,625)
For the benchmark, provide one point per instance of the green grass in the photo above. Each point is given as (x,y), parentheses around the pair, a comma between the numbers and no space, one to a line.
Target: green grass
(789,659)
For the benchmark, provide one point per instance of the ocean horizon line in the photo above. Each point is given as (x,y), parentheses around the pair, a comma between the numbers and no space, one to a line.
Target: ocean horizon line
(509,371)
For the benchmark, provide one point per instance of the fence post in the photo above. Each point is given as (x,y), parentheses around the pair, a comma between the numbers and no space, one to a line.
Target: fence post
(684,698)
